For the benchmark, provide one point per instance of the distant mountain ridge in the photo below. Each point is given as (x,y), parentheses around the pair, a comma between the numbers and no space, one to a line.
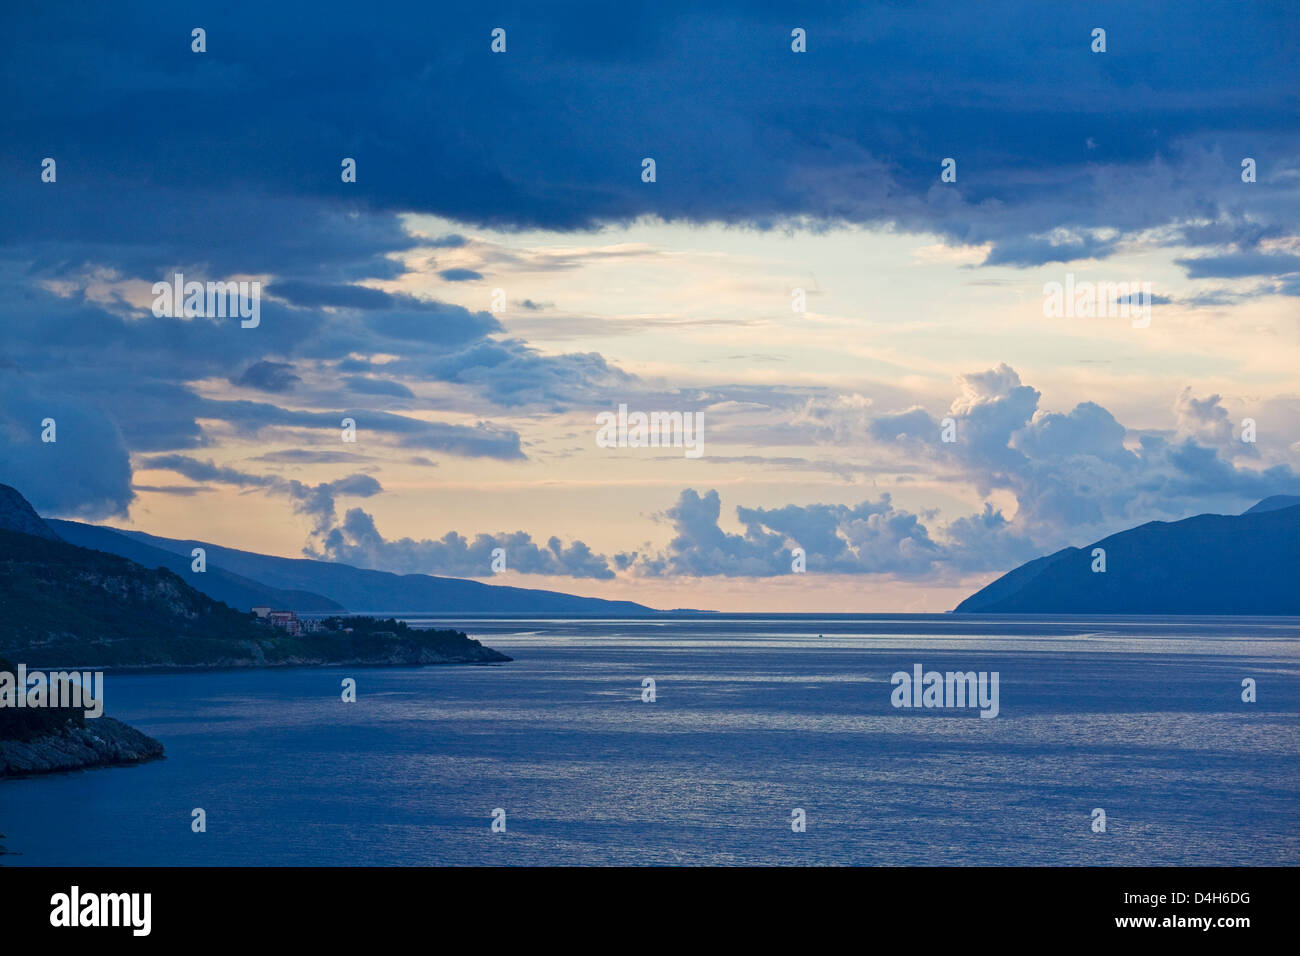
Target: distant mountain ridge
(62,604)
(69,606)
(1207,564)
(244,579)
(216,582)
(301,581)
(1274,503)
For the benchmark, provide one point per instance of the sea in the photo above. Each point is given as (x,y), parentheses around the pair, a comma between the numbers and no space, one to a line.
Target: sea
(715,740)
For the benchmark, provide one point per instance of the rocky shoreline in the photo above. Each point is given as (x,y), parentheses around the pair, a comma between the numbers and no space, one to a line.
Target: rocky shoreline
(103,742)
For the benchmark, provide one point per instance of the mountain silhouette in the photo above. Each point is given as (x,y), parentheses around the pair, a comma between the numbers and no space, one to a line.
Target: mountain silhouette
(234,589)
(1274,503)
(72,606)
(302,581)
(17,514)
(1208,564)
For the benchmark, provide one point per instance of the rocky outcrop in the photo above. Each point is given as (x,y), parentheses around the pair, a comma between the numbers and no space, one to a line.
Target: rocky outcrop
(103,742)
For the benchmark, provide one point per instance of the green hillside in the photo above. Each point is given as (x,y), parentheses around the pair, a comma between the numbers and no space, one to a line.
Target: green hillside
(65,606)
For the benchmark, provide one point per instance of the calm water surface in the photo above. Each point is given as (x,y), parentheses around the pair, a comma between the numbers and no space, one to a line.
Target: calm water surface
(755,716)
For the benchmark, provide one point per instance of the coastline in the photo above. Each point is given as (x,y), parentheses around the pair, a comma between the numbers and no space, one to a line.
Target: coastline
(427,659)
(108,743)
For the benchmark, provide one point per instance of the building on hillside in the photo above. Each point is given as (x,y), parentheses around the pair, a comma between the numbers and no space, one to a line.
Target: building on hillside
(262,610)
(286,621)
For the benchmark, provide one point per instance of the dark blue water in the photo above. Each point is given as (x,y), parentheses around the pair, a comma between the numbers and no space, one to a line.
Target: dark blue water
(754,717)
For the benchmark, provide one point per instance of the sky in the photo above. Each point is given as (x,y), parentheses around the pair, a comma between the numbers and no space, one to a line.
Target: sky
(799,273)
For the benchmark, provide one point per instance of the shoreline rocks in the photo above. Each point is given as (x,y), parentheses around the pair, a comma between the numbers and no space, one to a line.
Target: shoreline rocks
(103,742)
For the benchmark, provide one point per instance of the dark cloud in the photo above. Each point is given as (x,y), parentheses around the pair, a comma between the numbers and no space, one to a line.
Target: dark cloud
(316,501)
(434,323)
(481,440)
(207,471)
(245,181)
(179,491)
(314,294)
(377,386)
(268,377)
(742,129)
(460,275)
(1238,265)
(1030,251)
(509,373)
(84,473)
(71,355)
(1139,299)
(310,456)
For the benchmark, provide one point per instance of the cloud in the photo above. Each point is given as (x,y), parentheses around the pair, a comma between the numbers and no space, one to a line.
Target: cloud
(1078,474)
(316,501)
(482,440)
(78,313)
(310,456)
(1205,420)
(1075,476)
(1036,251)
(1032,156)
(377,386)
(1140,149)
(317,294)
(268,377)
(356,541)
(84,473)
(871,537)
(1238,265)
(510,374)
(450,241)
(204,471)
(460,275)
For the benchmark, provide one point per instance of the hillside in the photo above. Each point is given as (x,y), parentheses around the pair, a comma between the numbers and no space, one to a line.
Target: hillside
(64,604)
(16,514)
(1208,564)
(216,582)
(360,589)
(67,606)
